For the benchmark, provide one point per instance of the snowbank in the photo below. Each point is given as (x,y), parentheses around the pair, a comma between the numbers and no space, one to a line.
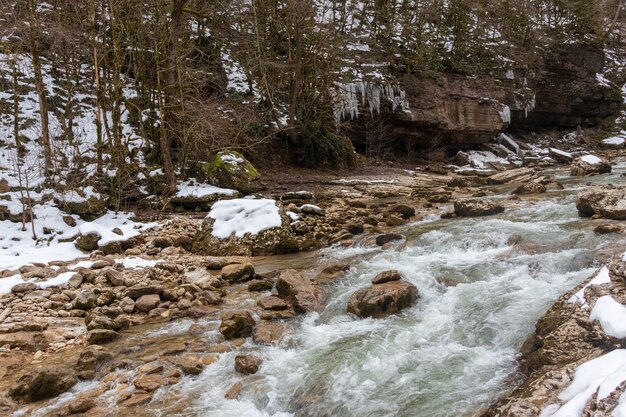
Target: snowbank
(241,216)
(591,159)
(611,315)
(192,189)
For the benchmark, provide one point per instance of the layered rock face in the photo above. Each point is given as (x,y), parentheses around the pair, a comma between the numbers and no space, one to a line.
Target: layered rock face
(568,93)
(604,201)
(456,108)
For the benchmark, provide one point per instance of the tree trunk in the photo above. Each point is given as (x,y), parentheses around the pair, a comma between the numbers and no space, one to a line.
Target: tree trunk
(41,91)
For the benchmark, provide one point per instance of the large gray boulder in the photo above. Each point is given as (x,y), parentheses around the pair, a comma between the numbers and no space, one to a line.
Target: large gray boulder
(230,169)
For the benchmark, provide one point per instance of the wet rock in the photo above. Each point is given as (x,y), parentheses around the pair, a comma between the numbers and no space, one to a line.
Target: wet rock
(521,175)
(590,165)
(475,207)
(387,276)
(23,287)
(148,302)
(331,273)
(247,364)
(382,299)
(406,212)
(530,188)
(234,391)
(271,302)
(604,229)
(606,201)
(388,237)
(304,295)
(137,399)
(514,239)
(190,365)
(238,272)
(81,405)
(268,332)
(261,285)
(149,383)
(90,361)
(43,383)
(237,324)
(101,336)
(355,228)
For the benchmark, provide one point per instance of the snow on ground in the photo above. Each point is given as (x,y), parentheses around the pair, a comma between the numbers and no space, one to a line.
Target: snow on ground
(137,263)
(591,159)
(602,278)
(482,159)
(615,141)
(243,215)
(193,189)
(611,315)
(602,374)
(57,281)
(18,248)
(7,283)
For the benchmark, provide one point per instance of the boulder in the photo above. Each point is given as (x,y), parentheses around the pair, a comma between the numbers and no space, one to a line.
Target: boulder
(604,229)
(230,169)
(149,383)
(85,300)
(589,165)
(268,332)
(100,336)
(531,187)
(43,383)
(606,201)
(406,212)
(388,237)
(139,290)
(560,156)
(238,272)
(247,364)
(513,175)
(237,324)
(382,299)
(475,207)
(73,203)
(271,302)
(387,276)
(90,360)
(23,287)
(210,240)
(301,292)
(88,242)
(148,302)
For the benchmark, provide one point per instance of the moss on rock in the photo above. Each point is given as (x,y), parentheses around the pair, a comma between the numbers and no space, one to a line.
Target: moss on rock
(230,169)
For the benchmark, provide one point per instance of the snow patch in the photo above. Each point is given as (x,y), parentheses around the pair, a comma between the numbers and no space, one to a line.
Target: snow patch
(193,189)
(57,281)
(615,140)
(242,216)
(7,283)
(611,315)
(591,159)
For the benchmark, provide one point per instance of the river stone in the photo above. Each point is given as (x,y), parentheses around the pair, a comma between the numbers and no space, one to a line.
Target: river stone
(139,290)
(88,242)
(238,272)
(303,294)
(100,336)
(271,302)
(43,383)
(476,207)
(580,167)
(268,332)
(247,364)
(81,405)
(388,237)
(606,201)
(382,299)
(114,276)
(237,324)
(604,229)
(386,276)
(23,287)
(148,302)
(85,300)
(90,360)
(531,187)
(149,383)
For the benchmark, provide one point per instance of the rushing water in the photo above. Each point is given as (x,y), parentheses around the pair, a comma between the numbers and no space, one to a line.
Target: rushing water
(450,355)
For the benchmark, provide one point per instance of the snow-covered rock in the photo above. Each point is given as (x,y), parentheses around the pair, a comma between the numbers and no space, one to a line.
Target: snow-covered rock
(230,169)
(590,165)
(245,226)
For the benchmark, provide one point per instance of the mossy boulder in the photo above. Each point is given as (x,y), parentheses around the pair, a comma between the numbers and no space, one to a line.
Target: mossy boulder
(230,169)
